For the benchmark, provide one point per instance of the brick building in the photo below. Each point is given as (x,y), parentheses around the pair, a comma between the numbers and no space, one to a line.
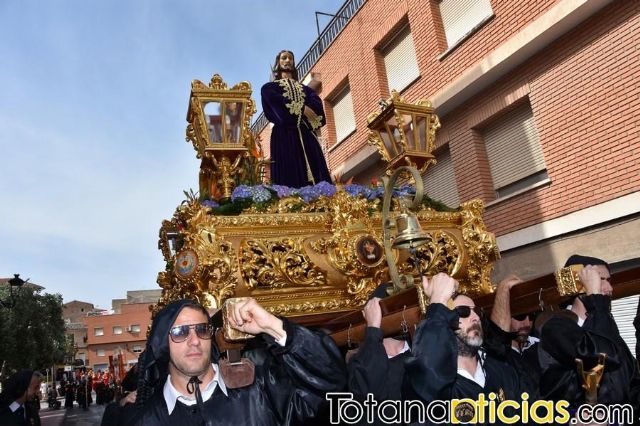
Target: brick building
(120,333)
(539,102)
(98,333)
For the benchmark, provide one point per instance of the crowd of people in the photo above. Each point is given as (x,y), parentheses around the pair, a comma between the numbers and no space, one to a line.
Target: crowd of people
(286,374)
(290,374)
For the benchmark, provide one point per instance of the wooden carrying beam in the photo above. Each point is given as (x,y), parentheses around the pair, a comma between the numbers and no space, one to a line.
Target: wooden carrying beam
(525,298)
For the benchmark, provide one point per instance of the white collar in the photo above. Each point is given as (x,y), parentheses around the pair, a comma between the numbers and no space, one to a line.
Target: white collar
(14,406)
(530,342)
(580,320)
(172,395)
(478,376)
(404,349)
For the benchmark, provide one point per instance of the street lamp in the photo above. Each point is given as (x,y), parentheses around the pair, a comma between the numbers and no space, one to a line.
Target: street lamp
(16,282)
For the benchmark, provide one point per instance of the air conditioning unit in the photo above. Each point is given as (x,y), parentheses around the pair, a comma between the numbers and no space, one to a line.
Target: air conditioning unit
(130,329)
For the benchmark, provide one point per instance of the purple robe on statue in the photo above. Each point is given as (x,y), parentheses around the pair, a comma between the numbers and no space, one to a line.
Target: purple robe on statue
(296,155)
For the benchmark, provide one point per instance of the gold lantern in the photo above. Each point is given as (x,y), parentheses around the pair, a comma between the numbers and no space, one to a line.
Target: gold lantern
(404,133)
(219,129)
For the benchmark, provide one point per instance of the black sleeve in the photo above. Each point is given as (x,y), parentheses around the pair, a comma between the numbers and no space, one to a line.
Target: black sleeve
(599,318)
(497,342)
(368,367)
(432,368)
(301,372)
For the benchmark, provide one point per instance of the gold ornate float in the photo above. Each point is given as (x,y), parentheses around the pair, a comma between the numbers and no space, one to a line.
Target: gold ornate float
(317,252)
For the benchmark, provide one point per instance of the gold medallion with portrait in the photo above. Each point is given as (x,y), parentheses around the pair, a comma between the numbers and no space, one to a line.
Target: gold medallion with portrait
(369,251)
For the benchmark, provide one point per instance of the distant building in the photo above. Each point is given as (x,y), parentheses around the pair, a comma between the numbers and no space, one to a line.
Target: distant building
(97,333)
(122,333)
(74,313)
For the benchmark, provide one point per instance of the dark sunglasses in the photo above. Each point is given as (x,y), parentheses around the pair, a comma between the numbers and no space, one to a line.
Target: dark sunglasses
(180,333)
(521,317)
(465,311)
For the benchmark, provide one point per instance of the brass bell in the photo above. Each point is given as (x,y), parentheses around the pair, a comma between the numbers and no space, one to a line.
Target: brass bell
(410,234)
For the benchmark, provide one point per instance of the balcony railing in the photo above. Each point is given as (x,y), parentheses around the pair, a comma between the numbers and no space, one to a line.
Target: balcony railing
(331,31)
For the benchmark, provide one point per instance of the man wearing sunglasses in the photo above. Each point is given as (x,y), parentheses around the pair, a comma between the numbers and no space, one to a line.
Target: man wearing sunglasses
(447,358)
(508,337)
(181,381)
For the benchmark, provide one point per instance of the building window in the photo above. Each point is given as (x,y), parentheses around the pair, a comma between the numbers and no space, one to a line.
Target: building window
(461,17)
(134,328)
(400,60)
(117,329)
(137,349)
(440,180)
(101,352)
(100,367)
(513,149)
(98,331)
(343,117)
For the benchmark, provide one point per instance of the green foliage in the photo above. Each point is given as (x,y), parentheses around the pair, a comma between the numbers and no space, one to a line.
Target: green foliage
(33,332)
(437,205)
(232,208)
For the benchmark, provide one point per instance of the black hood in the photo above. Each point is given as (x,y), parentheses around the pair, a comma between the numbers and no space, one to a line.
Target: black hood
(153,363)
(15,386)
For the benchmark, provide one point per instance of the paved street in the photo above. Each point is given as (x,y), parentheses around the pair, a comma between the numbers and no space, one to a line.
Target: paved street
(75,416)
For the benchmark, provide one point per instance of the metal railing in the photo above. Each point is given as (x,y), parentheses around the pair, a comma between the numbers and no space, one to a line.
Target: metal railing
(331,31)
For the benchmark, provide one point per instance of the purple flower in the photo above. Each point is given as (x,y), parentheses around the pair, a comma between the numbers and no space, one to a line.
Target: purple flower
(377,192)
(326,189)
(355,189)
(308,193)
(260,194)
(241,192)
(404,191)
(210,203)
(284,191)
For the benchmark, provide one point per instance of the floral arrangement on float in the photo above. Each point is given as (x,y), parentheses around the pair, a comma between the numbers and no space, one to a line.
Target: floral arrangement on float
(267,198)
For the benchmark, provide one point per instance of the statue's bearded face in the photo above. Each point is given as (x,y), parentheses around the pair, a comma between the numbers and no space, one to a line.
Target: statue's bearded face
(285,62)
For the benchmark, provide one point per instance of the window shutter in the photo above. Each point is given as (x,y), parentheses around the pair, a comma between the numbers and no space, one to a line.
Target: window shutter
(624,312)
(459,17)
(512,147)
(440,181)
(343,115)
(400,60)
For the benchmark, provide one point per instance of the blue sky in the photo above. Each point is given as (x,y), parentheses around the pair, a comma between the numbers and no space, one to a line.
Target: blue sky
(93,99)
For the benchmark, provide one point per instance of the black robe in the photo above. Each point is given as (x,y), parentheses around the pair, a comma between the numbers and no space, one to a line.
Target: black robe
(432,370)
(372,371)
(289,387)
(497,342)
(561,344)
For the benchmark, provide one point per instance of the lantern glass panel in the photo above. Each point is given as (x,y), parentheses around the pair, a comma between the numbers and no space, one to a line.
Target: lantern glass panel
(388,143)
(421,125)
(394,132)
(407,129)
(233,121)
(213,111)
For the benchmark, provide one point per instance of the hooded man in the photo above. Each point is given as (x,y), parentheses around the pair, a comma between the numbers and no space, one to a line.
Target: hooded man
(563,340)
(448,361)
(182,383)
(17,391)
(378,366)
